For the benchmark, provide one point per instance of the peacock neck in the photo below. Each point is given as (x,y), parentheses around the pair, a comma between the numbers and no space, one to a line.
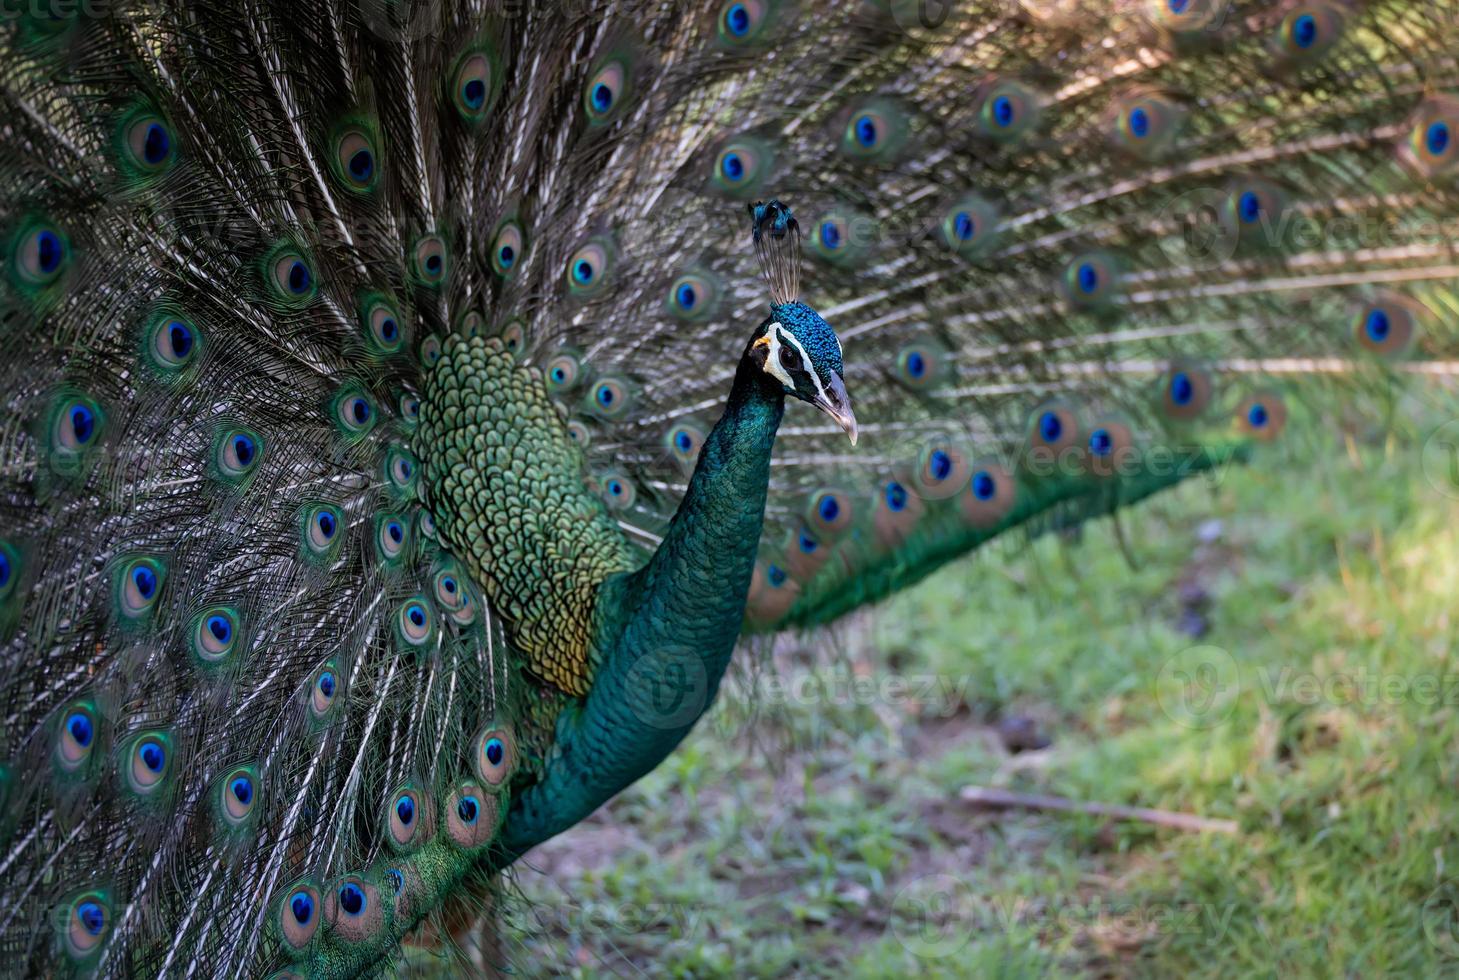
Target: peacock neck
(666,631)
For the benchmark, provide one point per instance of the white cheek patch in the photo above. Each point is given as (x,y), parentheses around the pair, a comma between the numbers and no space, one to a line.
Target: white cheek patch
(778,338)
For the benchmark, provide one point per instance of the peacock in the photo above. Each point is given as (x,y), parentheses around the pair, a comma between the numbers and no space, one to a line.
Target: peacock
(401,420)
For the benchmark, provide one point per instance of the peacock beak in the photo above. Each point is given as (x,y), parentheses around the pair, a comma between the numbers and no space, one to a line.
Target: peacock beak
(834,401)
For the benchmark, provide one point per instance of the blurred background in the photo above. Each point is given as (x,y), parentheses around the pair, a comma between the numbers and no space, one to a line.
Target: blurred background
(1264,656)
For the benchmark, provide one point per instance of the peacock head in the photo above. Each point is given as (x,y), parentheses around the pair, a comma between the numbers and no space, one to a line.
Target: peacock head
(795,345)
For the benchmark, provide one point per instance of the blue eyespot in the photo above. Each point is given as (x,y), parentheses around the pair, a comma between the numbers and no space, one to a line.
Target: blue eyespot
(984,486)
(299,278)
(326,684)
(352,899)
(686,296)
(1139,123)
(467,809)
(156,144)
(896,496)
(1257,415)
(1178,6)
(775,575)
(302,905)
(495,751)
(602,97)
(405,810)
(829,509)
(1088,277)
(605,396)
(830,235)
(243,449)
(83,423)
(1050,427)
(1003,111)
(4,570)
(866,131)
(180,338)
(326,523)
(582,271)
(1249,207)
(360,410)
(242,789)
(615,488)
(152,756)
(473,93)
(1436,138)
(683,442)
(939,465)
(81,729)
(807,543)
(145,581)
(49,251)
(1101,442)
(91,916)
(732,167)
(362,165)
(963,226)
(396,531)
(416,614)
(1304,31)
(916,364)
(507,255)
(737,20)
(449,584)
(1182,389)
(1378,325)
(221,629)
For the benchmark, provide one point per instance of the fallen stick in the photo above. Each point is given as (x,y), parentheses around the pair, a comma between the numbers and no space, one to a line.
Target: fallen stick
(1002,799)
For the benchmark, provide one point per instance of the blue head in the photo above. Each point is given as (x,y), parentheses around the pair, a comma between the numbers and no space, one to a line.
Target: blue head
(795,345)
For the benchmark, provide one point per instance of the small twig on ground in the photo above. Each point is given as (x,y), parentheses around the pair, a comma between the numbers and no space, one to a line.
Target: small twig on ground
(999,799)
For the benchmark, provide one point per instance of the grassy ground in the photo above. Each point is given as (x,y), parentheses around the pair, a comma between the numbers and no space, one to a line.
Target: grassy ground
(1272,649)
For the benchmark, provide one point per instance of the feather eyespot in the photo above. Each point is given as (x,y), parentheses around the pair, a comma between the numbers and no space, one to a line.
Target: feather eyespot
(693,297)
(683,441)
(77,736)
(41,253)
(1252,213)
(291,277)
(829,512)
(236,454)
(356,161)
(1091,282)
(772,591)
(214,635)
(473,89)
(381,325)
(942,471)
(610,398)
(1007,111)
(875,132)
(617,491)
(1309,31)
(139,585)
(237,796)
(1387,325)
(471,815)
(352,412)
(148,763)
(299,915)
(509,249)
(415,622)
(390,533)
(843,237)
(1262,416)
(428,260)
(323,691)
(562,371)
(578,433)
(970,226)
(740,23)
(173,343)
(322,524)
(409,818)
(401,470)
(741,166)
(77,426)
(607,91)
(1186,392)
(990,495)
(514,336)
(590,268)
(148,143)
(87,922)
(1054,429)
(9,572)
(922,364)
(1429,149)
(496,756)
(1144,125)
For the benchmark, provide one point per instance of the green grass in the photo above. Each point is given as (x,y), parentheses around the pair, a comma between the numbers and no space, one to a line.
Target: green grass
(820,832)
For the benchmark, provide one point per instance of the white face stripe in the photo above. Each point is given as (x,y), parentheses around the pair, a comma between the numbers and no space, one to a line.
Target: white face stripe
(772,360)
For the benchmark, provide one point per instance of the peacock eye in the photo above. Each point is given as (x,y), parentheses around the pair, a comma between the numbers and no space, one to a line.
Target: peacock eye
(790,358)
